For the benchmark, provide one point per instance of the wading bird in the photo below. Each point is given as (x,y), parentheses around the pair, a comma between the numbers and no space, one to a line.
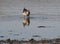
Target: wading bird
(26,12)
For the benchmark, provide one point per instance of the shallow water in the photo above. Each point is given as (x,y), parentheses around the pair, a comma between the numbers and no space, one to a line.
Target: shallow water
(44,19)
(12,27)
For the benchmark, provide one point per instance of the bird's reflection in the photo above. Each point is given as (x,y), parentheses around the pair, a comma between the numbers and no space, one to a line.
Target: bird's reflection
(26,21)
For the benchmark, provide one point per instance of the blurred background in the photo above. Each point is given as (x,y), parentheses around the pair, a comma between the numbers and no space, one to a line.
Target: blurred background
(44,19)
